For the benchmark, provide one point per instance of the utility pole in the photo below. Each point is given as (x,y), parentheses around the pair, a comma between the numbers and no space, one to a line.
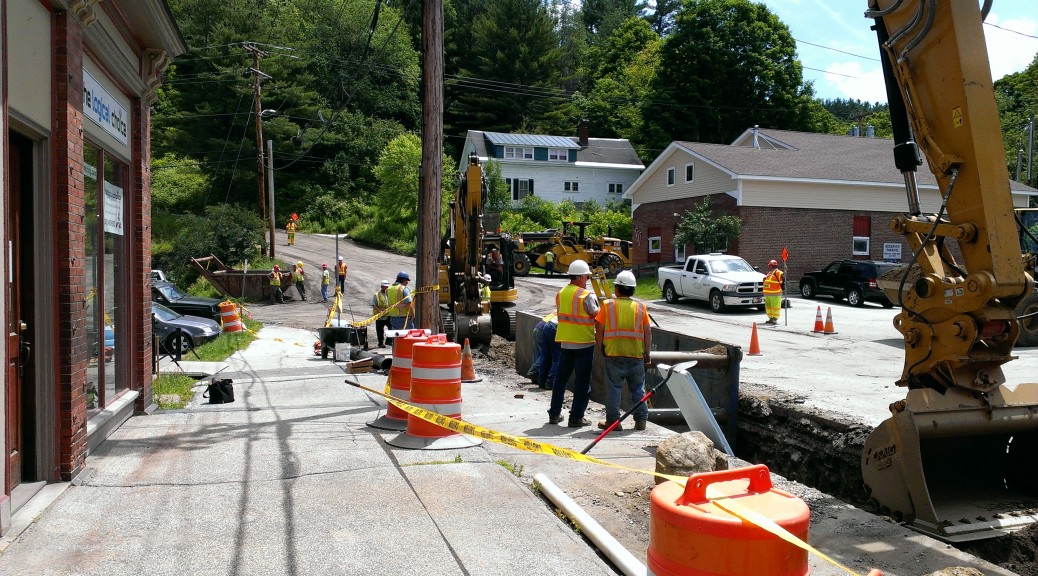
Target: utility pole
(431,179)
(270,191)
(257,110)
(1030,147)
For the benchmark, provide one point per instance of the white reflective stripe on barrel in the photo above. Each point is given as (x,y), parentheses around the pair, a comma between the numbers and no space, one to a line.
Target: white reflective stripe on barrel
(448,373)
(401,393)
(444,409)
(401,362)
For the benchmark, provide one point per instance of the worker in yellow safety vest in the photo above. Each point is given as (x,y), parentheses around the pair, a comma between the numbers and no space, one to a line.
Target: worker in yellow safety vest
(340,271)
(625,337)
(577,307)
(276,295)
(290,229)
(774,282)
(400,303)
(300,279)
(484,290)
(380,303)
(549,263)
(326,281)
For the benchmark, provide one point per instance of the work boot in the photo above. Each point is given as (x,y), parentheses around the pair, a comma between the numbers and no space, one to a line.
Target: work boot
(554,419)
(639,424)
(578,423)
(603,424)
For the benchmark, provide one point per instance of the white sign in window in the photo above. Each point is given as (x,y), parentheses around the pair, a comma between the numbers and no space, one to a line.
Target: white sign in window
(860,246)
(655,244)
(99,106)
(113,209)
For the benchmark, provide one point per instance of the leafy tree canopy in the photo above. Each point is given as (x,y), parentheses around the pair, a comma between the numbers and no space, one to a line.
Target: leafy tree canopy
(707,231)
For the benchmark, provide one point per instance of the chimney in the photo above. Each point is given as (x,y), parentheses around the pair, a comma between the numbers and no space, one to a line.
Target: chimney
(756,144)
(870,131)
(582,133)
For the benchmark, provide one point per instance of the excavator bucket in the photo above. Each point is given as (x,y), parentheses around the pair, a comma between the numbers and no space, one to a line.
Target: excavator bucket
(958,466)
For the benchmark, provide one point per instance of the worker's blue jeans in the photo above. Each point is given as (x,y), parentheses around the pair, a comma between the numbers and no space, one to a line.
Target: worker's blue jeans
(551,354)
(618,371)
(538,351)
(573,361)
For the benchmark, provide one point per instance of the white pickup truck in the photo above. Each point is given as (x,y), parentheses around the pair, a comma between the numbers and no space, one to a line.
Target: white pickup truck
(719,279)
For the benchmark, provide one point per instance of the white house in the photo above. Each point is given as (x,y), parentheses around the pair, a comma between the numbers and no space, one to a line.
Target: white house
(558,168)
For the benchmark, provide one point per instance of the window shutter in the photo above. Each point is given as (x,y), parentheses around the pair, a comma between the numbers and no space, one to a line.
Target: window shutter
(531,186)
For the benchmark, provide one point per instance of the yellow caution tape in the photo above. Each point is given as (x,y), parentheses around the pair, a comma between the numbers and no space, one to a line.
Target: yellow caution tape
(723,502)
(337,305)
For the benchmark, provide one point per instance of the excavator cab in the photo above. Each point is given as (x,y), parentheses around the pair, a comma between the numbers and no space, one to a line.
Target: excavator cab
(957,457)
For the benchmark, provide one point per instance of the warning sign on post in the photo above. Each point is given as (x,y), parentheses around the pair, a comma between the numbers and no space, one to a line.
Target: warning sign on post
(892,251)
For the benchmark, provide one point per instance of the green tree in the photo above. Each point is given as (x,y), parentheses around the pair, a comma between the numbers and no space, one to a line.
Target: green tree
(397,172)
(177,184)
(662,16)
(729,64)
(706,230)
(1017,98)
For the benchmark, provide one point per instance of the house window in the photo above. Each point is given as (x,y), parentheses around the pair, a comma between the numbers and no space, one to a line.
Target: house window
(571,186)
(690,172)
(670,176)
(520,187)
(679,253)
(860,246)
(616,188)
(861,231)
(558,155)
(655,244)
(514,153)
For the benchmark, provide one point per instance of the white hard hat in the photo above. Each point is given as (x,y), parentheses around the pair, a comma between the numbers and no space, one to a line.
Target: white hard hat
(626,278)
(486,277)
(385,283)
(578,268)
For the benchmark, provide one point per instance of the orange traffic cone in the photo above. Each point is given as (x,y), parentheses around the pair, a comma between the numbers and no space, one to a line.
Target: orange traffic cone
(468,371)
(819,328)
(754,344)
(829,323)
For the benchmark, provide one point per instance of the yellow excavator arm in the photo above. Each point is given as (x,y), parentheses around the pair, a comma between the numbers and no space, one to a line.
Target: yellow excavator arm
(956,458)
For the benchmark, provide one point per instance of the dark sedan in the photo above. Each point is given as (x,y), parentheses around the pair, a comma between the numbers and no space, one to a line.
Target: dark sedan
(172,297)
(194,330)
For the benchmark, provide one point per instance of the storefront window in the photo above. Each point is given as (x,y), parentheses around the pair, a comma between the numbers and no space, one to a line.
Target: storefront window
(105,246)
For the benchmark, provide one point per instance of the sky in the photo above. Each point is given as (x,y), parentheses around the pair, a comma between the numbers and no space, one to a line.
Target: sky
(840,55)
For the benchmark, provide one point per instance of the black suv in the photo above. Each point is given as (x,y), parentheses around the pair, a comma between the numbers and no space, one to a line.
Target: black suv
(167,294)
(854,280)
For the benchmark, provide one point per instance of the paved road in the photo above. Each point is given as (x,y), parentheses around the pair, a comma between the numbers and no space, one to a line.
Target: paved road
(851,373)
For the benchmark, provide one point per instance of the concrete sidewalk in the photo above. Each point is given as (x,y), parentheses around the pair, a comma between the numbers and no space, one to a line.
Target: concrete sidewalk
(289,479)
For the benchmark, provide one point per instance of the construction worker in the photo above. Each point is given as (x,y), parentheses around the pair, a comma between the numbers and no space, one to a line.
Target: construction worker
(290,228)
(577,307)
(340,271)
(300,279)
(549,263)
(495,265)
(774,282)
(379,303)
(541,352)
(400,313)
(276,295)
(484,290)
(625,338)
(326,281)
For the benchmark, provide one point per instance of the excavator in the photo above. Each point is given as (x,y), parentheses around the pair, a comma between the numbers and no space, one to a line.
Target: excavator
(958,458)
(462,312)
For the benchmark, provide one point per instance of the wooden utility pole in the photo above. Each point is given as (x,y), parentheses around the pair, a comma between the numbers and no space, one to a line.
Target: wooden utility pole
(430,181)
(258,111)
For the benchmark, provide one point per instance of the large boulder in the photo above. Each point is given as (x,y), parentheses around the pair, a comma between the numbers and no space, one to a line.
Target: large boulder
(687,454)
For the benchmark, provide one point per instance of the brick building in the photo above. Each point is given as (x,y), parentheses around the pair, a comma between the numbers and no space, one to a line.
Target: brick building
(78,78)
(824,197)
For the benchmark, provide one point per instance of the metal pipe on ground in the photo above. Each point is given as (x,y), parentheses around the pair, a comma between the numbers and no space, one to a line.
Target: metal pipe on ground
(703,360)
(378,361)
(617,554)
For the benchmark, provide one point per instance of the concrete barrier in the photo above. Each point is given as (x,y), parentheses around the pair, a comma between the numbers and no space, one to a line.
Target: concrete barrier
(718,379)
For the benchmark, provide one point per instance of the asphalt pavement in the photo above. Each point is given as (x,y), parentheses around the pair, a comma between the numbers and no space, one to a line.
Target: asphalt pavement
(291,479)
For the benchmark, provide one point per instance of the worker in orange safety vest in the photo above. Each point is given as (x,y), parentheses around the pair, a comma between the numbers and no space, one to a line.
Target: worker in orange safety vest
(774,282)
(625,337)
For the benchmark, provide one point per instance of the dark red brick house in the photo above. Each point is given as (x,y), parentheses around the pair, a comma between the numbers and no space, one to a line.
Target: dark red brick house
(824,197)
(78,78)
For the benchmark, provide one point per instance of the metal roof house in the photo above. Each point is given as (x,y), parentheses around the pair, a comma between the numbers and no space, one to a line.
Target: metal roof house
(823,196)
(558,168)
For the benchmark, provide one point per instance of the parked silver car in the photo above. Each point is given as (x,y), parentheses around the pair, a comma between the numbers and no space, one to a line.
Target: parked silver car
(194,330)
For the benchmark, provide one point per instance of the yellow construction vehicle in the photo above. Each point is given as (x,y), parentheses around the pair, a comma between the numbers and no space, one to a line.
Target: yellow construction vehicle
(462,269)
(957,458)
(611,254)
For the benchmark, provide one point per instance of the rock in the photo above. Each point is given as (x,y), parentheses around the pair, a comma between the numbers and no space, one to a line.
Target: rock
(957,571)
(687,454)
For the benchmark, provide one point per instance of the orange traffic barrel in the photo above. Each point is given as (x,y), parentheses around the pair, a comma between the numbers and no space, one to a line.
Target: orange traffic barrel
(229,317)
(400,381)
(436,388)
(691,536)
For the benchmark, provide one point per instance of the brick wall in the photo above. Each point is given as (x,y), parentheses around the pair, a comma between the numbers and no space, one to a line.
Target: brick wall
(140,255)
(70,253)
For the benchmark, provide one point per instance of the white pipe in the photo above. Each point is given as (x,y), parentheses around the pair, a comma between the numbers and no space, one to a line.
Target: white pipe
(620,556)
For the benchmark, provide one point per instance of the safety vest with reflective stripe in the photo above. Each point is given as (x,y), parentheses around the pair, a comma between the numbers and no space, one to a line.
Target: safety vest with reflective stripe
(380,301)
(396,294)
(341,268)
(576,326)
(275,278)
(625,322)
(773,282)
(297,275)
(551,317)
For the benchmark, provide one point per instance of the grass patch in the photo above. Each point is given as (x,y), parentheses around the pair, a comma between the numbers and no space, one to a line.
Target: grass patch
(173,391)
(226,344)
(515,469)
(457,460)
(648,289)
